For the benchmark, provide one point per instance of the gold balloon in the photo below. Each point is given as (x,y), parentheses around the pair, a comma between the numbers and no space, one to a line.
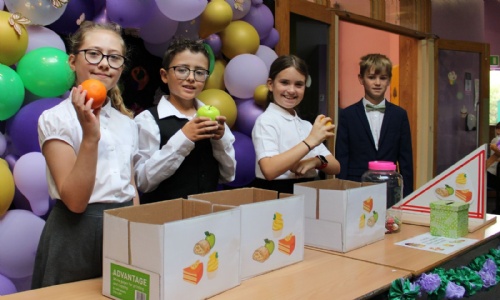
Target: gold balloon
(216,79)
(13,45)
(223,101)
(7,187)
(260,94)
(216,16)
(239,37)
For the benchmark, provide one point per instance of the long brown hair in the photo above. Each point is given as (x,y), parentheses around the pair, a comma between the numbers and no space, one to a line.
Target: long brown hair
(75,42)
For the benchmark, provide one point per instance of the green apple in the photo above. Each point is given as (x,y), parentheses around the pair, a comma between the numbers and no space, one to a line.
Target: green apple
(209,111)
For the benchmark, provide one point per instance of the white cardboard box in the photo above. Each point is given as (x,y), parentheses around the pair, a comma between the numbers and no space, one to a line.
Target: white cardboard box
(272,228)
(165,250)
(343,215)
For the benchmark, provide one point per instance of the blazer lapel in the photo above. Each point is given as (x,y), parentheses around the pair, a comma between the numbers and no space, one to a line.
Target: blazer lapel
(360,110)
(385,122)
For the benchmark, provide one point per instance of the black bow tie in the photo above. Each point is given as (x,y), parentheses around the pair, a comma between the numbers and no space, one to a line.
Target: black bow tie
(370,107)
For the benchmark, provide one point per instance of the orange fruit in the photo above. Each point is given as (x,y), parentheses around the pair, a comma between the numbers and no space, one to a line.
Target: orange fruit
(95,90)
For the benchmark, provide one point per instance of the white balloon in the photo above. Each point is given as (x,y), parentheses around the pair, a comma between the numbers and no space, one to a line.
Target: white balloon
(39,36)
(39,12)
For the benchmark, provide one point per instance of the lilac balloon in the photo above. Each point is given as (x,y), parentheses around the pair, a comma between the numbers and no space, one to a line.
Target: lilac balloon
(20,232)
(2,4)
(267,55)
(159,28)
(22,284)
(23,127)
(39,36)
(243,74)
(30,178)
(6,285)
(182,10)
(129,13)
(76,11)
(272,39)
(245,160)
(248,112)
(240,8)
(188,29)
(261,18)
(11,159)
(215,43)
(257,2)
(3,144)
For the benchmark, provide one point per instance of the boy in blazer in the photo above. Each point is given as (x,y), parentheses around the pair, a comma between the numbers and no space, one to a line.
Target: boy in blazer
(373,128)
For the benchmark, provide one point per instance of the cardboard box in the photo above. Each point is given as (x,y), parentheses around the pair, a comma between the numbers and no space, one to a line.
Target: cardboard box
(449,218)
(272,228)
(343,215)
(176,249)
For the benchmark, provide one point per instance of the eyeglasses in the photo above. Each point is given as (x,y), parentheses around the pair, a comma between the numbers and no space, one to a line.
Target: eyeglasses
(94,57)
(182,73)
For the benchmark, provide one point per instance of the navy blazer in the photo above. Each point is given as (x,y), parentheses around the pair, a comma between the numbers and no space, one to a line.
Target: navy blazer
(355,147)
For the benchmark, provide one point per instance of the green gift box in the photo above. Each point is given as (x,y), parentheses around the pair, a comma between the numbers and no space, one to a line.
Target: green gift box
(449,218)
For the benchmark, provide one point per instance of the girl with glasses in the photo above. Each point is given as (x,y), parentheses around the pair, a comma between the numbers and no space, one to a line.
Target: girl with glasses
(181,154)
(89,154)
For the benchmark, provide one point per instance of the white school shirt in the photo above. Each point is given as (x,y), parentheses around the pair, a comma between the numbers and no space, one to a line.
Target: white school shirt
(154,165)
(276,131)
(116,149)
(375,119)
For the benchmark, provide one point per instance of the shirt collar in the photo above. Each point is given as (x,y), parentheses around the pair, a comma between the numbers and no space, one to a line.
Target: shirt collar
(281,111)
(381,104)
(166,109)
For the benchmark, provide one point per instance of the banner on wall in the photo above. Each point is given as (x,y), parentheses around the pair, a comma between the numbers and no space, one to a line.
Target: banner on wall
(464,181)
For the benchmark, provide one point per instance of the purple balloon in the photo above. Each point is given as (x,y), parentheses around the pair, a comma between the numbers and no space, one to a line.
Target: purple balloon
(257,2)
(240,8)
(3,144)
(215,43)
(245,160)
(272,39)
(23,127)
(20,232)
(248,112)
(76,11)
(242,84)
(157,49)
(6,285)
(130,13)
(11,159)
(30,179)
(22,284)
(261,18)
(159,28)
(182,10)
(20,201)
(101,17)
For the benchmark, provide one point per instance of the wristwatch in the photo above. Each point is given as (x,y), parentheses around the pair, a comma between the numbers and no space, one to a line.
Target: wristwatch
(323,161)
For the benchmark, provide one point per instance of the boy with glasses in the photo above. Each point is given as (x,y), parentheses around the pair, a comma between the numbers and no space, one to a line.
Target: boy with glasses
(181,154)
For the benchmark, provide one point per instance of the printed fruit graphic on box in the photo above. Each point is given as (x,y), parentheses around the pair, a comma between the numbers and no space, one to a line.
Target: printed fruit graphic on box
(287,245)
(193,273)
(203,246)
(277,224)
(264,252)
(362,221)
(373,219)
(368,204)
(213,264)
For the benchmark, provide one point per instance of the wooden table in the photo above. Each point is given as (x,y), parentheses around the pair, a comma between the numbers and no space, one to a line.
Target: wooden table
(319,276)
(386,253)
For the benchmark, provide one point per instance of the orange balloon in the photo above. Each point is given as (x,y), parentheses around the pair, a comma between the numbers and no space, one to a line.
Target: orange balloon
(239,37)
(216,16)
(13,45)
(223,101)
(216,79)
(95,90)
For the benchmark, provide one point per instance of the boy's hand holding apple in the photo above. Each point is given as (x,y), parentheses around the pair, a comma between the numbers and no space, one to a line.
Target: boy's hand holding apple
(207,124)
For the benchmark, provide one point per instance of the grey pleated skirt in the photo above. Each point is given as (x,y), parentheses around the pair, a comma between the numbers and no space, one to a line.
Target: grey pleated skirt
(70,247)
